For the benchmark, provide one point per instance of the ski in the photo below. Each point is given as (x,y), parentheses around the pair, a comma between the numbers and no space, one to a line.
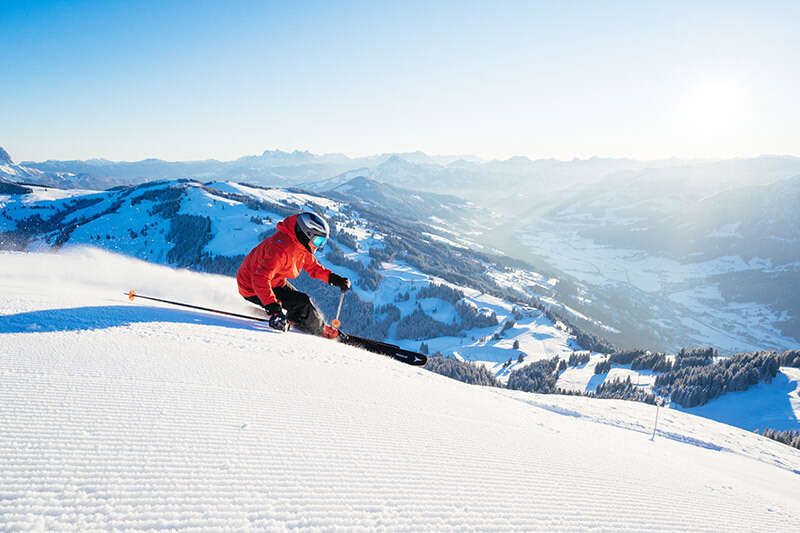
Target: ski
(384,348)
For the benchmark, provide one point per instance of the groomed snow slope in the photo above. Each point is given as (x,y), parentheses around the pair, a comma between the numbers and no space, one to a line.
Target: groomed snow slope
(120,415)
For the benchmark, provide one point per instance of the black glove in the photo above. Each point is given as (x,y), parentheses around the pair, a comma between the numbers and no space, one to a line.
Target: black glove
(274,309)
(338,281)
(277,316)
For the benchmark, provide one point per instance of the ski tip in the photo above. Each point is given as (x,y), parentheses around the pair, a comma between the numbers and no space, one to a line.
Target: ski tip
(131,294)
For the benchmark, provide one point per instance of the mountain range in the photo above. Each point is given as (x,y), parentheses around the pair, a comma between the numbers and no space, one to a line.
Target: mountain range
(663,254)
(469,175)
(400,258)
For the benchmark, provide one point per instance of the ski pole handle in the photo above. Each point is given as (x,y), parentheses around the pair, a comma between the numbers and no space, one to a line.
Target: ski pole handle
(336,323)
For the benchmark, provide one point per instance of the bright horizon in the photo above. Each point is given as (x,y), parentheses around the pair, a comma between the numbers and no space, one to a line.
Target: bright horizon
(483,159)
(216,80)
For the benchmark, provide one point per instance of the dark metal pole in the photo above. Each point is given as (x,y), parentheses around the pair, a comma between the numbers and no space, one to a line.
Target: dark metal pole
(132,295)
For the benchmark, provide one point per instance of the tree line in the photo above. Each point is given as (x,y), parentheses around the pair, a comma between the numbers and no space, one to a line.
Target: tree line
(789,437)
(696,385)
(461,371)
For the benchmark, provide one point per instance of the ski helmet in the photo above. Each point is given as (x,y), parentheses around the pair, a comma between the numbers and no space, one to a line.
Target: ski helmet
(312,229)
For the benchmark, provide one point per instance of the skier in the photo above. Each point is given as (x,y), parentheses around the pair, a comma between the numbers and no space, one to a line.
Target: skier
(263,273)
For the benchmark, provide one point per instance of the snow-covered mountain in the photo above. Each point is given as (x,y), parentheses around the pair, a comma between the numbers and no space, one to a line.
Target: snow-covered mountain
(5,158)
(469,176)
(119,415)
(516,182)
(460,218)
(652,252)
(424,175)
(270,168)
(414,282)
(12,172)
(489,183)
(65,177)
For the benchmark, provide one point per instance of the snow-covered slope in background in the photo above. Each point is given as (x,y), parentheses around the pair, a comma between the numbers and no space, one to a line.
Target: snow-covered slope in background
(211,226)
(120,415)
(773,405)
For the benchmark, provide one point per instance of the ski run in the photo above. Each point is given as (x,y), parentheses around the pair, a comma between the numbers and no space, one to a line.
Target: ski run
(116,415)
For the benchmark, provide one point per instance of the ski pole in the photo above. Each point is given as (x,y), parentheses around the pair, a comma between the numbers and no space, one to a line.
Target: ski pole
(336,323)
(132,295)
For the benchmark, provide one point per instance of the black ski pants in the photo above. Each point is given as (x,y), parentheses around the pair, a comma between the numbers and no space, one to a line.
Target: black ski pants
(299,308)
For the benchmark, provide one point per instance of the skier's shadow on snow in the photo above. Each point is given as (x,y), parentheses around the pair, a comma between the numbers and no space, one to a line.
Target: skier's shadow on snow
(111,316)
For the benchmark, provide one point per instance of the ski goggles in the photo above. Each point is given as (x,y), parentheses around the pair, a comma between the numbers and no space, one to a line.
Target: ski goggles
(319,241)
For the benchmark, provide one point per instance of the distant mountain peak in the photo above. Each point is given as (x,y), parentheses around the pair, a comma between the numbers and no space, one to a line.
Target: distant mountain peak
(294,155)
(361,180)
(4,157)
(272,153)
(396,160)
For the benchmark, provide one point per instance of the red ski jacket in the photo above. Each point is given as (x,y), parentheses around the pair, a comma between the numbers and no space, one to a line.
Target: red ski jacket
(278,257)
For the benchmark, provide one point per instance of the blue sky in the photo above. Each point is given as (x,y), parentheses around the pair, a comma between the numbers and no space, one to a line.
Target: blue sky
(191,80)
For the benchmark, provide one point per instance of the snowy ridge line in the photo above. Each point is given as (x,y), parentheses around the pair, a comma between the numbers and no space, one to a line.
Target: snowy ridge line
(227,219)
